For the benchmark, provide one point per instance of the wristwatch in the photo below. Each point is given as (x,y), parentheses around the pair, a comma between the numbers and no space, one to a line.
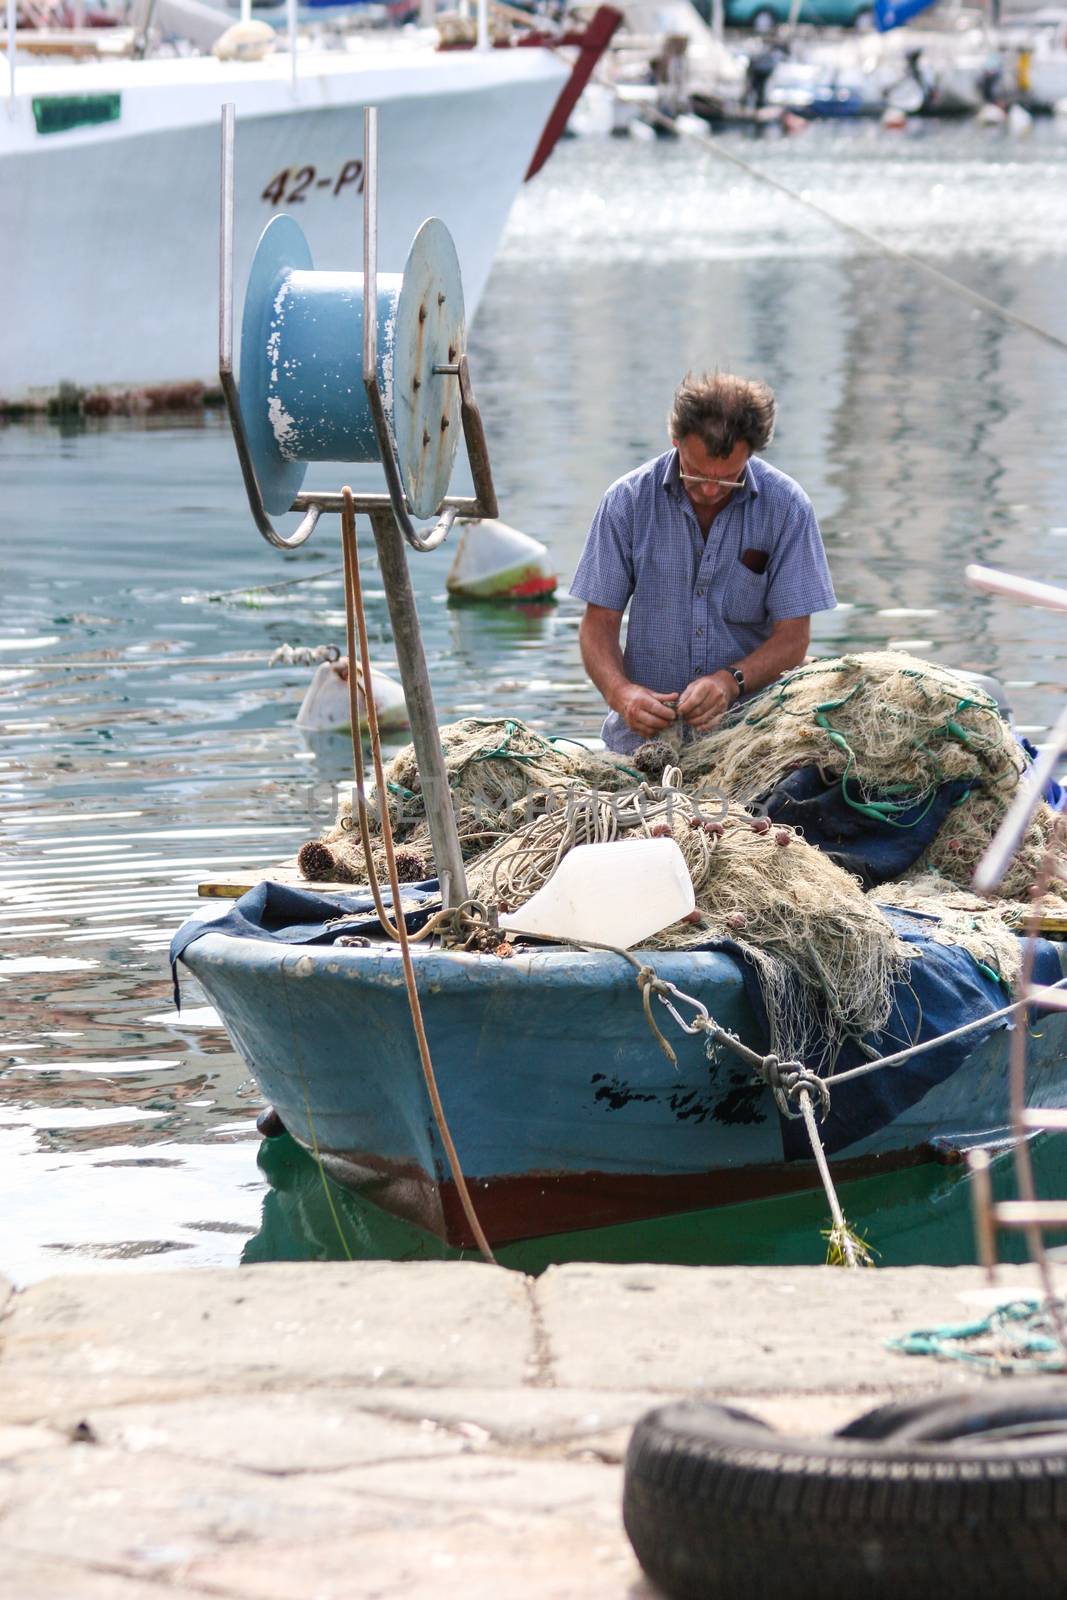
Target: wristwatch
(739,678)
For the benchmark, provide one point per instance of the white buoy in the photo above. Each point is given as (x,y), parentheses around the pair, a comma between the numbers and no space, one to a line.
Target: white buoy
(495,562)
(990,115)
(325,707)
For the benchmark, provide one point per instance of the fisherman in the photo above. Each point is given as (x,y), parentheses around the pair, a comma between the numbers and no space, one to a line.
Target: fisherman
(718,556)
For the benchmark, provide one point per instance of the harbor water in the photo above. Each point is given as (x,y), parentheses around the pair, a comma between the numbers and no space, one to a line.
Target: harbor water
(146,744)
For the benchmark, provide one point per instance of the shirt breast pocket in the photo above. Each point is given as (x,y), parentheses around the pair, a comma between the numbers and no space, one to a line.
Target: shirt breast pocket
(745,596)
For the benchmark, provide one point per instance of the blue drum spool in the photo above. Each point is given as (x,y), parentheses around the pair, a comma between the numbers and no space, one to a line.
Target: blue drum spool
(302,393)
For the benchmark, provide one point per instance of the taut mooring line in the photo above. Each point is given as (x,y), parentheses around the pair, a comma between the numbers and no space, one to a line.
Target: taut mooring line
(706,142)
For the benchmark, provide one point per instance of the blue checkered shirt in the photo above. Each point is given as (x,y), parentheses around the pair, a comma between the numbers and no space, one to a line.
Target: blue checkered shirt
(695,606)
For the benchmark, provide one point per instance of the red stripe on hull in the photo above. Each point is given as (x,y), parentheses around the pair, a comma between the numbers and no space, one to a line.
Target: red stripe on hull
(537,1205)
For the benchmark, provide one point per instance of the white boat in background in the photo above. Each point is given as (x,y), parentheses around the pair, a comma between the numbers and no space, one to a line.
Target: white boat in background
(109,182)
(935,71)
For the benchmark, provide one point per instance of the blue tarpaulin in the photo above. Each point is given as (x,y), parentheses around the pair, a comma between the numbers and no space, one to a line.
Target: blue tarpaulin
(877,837)
(876,847)
(283,915)
(944,988)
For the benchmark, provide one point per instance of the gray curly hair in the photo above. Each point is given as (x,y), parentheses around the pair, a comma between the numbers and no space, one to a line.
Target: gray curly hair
(722,410)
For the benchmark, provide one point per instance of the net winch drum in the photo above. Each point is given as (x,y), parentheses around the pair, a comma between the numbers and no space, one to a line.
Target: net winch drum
(322,381)
(302,394)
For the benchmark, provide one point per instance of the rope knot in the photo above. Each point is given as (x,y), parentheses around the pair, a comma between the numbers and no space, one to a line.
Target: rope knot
(649,979)
(787,1080)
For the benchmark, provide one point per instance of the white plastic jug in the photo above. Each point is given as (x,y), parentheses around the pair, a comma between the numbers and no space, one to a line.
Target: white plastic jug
(618,893)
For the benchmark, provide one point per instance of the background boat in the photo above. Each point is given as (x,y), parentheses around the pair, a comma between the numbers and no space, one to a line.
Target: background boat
(109,171)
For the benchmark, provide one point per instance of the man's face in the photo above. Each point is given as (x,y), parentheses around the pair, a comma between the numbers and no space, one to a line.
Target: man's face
(709,480)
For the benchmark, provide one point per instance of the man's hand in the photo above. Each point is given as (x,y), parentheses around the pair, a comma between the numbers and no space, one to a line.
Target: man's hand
(705,701)
(644,711)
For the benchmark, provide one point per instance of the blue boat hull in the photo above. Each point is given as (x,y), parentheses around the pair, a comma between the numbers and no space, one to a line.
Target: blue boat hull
(565,1112)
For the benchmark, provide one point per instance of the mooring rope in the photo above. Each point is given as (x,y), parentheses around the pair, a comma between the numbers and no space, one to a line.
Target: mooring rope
(791,1080)
(707,142)
(356,622)
(788,1081)
(264,588)
(1015,1335)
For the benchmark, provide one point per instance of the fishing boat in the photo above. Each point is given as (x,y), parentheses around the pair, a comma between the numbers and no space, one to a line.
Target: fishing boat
(565,1111)
(568,1104)
(108,251)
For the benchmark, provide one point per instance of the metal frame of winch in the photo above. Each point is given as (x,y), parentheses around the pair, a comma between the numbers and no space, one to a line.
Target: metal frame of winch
(389,513)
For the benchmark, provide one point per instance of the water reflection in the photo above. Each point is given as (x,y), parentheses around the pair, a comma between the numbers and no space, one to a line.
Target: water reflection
(917,1215)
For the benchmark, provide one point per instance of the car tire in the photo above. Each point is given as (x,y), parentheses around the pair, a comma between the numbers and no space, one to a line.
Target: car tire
(1020,1410)
(718,1505)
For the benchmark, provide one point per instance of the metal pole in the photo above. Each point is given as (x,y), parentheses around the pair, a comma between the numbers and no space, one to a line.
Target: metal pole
(226,241)
(370,244)
(246,10)
(291,14)
(482,42)
(11,28)
(396,579)
(415,677)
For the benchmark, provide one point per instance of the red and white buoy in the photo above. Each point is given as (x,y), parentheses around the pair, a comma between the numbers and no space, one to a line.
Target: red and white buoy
(495,562)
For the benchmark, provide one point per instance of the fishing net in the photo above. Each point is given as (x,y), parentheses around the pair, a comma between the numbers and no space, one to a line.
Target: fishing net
(890,730)
(952,915)
(889,727)
(827,958)
(962,840)
(493,766)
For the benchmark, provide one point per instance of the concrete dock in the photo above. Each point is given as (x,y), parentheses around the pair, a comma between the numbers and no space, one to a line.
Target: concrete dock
(391,1429)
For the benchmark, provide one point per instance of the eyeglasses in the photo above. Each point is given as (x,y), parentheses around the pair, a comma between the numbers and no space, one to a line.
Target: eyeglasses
(689,478)
(694,481)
